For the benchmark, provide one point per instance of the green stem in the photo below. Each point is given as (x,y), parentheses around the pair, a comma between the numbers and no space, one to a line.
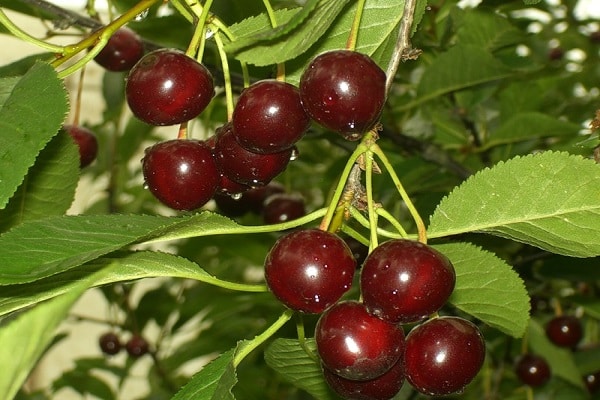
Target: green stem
(249,346)
(302,337)
(19,33)
(422,231)
(390,218)
(85,59)
(370,203)
(240,287)
(361,219)
(226,75)
(353,37)
(354,234)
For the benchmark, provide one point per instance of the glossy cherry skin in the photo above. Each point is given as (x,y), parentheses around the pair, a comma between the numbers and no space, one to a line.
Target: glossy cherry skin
(86,142)
(405,281)
(122,51)
(243,166)
(355,344)
(137,346)
(533,370)
(443,355)
(268,117)
(166,87)
(109,343)
(592,382)
(383,387)
(343,91)
(309,270)
(564,331)
(283,207)
(182,174)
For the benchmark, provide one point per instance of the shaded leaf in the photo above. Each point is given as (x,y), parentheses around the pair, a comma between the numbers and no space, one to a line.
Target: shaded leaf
(549,200)
(490,31)
(214,381)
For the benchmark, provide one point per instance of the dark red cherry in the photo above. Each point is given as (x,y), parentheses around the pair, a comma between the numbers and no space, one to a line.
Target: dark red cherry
(137,346)
(269,117)
(182,174)
(355,344)
(86,142)
(343,91)
(122,51)
(109,343)
(283,207)
(592,381)
(309,270)
(243,166)
(257,196)
(383,387)
(443,355)
(405,281)
(533,370)
(564,331)
(166,87)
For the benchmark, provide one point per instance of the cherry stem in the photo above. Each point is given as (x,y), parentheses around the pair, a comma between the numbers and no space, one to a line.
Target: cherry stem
(21,34)
(183,131)
(226,75)
(77,106)
(382,212)
(271,13)
(421,230)
(354,234)
(200,16)
(368,158)
(248,346)
(361,219)
(302,338)
(353,36)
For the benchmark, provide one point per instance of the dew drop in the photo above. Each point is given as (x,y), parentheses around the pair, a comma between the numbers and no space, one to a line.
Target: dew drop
(146,186)
(294,154)
(141,16)
(236,196)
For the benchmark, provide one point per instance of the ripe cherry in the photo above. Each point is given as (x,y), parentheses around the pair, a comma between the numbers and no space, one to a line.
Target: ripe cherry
(355,344)
(109,343)
(443,355)
(86,142)
(182,174)
(564,331)
(404,281)
(256,197)
(166,87)
(269,117)
(592,381)
(383,387)
(122,51)
(137,346)
(343,91)
(283,207)
(309,270)
(243,166)
(532,370)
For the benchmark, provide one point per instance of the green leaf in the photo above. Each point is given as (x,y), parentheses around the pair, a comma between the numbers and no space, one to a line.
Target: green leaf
(455,70)
(213,382)
(488,288)
(282,48)
(49,187)
(487,30)
(289,359)
(29,118)
(549,200)
(528,126)
(20,67)
(127,267)
(561,360)
(30,333)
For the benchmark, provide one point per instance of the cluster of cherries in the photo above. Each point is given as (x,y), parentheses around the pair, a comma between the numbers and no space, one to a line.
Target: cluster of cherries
(361,344)
(111,344)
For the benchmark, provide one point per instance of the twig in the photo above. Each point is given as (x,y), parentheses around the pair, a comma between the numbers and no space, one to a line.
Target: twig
(65,18)
(403,50)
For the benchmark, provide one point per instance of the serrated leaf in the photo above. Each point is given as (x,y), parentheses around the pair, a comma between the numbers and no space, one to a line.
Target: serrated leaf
(49,188)
(289,359)
(213,382)
(29,117)
(294,43)
(30,333)
(549,200)
(561,360)
(20,67)
(127,267)
(487,30)
(528,126)
(488,288)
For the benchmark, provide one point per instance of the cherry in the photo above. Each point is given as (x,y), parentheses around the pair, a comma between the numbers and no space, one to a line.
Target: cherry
(86,142)
(309,270)
(243,166)
(269,117)
(564,331)
(443,355)
(109,343)
(404,281)
(137,346)
(283,207)
(343,91)
(592,381)
(556,54)
(230,206)
(532,370)
(166,87)
(122,51)
(182,174)
(383,387)
(355,344)
(256,197)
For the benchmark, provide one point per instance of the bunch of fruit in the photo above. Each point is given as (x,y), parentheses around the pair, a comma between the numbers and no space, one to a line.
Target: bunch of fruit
(362,345)
(110,344)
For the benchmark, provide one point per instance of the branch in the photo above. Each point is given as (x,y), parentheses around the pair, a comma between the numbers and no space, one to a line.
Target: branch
(65,18)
